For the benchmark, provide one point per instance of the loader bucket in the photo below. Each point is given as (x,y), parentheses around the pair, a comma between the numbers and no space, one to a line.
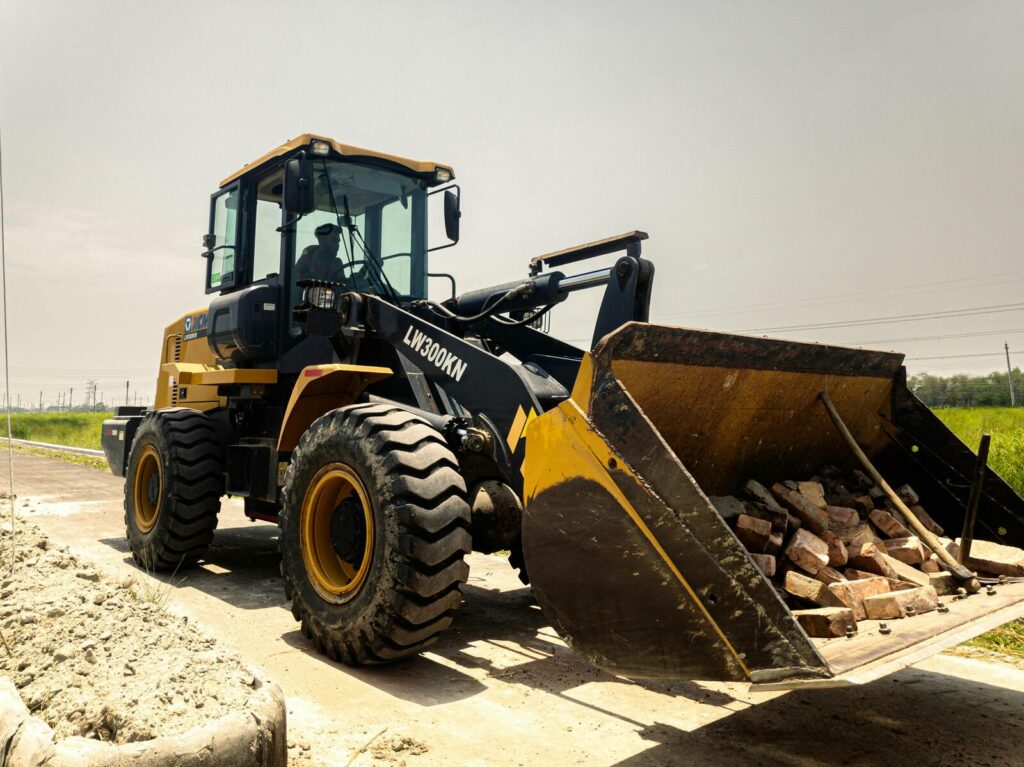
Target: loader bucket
(641,575)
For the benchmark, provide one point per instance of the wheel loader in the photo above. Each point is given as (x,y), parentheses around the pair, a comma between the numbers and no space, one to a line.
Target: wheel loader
(388,435)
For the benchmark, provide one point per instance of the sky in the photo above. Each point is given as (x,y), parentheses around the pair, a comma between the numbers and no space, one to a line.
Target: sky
(796,164)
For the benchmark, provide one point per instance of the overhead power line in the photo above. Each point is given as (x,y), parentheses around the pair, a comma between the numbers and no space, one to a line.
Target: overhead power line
(945,337)
(963,356)
(896,318)
(1000,278)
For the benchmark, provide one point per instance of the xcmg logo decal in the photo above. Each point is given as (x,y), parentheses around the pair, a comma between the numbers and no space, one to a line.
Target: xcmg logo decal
(195,326)
(433,352)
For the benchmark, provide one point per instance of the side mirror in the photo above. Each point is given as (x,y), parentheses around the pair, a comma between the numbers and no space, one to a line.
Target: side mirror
(452,214)
(298,185)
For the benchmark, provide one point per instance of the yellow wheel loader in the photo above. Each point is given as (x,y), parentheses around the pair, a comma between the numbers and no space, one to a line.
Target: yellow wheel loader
(388,435)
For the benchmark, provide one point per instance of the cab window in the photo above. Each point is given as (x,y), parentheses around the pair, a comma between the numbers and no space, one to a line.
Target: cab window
(224,228)
(266,257)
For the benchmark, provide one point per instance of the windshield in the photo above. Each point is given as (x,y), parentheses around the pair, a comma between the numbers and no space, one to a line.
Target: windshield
(367,233)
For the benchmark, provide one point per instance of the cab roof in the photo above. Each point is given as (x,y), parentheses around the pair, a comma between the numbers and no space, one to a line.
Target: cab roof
(345,150)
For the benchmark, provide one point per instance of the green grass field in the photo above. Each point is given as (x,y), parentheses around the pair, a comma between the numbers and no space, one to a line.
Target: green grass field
(1006,457)
(74,429)
(1006,425)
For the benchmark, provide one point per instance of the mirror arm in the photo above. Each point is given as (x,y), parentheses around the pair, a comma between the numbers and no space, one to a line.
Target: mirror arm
(442,247)
(447,276)
(209,253)
(287,225)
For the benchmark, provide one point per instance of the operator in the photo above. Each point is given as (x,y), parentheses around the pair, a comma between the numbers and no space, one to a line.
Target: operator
(321,262)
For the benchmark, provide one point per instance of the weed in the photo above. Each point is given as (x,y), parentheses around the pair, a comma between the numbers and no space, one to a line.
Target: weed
(152,589)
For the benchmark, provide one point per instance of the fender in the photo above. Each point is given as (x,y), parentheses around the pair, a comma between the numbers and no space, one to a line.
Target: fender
(321,388)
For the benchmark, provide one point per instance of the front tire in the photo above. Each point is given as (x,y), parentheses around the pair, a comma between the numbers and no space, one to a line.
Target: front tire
(172,489)
(374,529)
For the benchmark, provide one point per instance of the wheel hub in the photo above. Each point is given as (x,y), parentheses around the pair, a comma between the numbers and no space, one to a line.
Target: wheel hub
(153,491)
(148,487)
(348,531)
(336,532)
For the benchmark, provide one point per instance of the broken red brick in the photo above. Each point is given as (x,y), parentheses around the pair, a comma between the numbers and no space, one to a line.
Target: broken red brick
(894,585)
(807,551)
(753,533)
(907,495)
(728,507)
(837,554)
(813,492)
(905,572)
(861,534)
(863,480)
(900,604)
(908,550)
(799,585)
(888,524)
(778,517)
(865,503)
(829,575)
(869,557)
(760,493)
(925,519)
(826,621)
(996,559)
(853,593)
(809,514)
(840,518)
(943,583)
(765,563)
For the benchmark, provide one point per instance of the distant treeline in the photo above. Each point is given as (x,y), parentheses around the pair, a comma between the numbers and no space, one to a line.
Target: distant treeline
(992,390)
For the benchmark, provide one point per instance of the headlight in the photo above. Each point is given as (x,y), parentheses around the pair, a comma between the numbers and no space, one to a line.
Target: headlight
(442,175)
(321,297)
(320,148)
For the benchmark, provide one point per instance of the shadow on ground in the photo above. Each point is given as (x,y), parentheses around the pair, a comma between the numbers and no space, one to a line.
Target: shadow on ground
(915,717)
(241,569)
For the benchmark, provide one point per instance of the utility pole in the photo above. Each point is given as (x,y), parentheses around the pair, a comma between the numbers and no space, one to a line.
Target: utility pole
(1009,375)
(40,402)
(126,384)
(71,398)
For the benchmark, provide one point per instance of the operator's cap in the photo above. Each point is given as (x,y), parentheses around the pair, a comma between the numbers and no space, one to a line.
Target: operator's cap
(325,229)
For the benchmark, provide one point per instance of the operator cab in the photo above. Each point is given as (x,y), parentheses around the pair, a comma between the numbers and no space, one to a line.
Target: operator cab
(315,209)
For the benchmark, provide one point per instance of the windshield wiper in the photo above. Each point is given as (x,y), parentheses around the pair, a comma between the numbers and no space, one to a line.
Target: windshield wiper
(369,257)
(376,273)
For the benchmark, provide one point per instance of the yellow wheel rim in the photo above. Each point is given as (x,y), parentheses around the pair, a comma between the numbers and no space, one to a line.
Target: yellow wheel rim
(336,496)
(148,489)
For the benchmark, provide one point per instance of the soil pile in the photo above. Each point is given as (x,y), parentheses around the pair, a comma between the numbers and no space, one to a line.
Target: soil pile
(103,659)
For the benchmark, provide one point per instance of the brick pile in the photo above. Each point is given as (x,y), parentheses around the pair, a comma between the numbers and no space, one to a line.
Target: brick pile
(839,551)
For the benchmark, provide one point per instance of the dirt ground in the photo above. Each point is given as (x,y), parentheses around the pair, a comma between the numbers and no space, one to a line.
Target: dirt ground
(100,658)
(501,689)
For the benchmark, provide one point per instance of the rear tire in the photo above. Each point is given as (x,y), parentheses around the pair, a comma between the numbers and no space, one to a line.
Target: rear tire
(172,489)
(374,529)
